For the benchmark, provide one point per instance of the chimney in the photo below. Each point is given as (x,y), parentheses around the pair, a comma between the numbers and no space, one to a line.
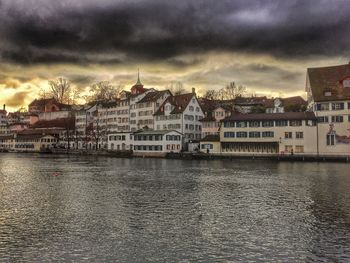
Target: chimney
(193,90)
(4,107)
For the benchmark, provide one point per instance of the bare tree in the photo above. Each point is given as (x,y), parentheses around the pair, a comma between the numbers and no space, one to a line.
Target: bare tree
(232,91)
(103,90)
(60,89)
(212,94)
(176,88)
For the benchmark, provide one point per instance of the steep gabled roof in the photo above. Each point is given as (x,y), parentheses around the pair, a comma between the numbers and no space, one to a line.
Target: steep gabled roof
(328,80)
(180,103)
(153,96)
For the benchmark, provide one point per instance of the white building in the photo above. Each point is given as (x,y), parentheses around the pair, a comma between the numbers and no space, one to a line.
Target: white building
(156,143)
(120,141)
(147,106)
(276,133)
(183,114)
(328,90)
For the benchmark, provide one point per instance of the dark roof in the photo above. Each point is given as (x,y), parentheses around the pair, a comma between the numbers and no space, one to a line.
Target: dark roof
(251,101)
(153,96)
(57,123)
(3,111)
(208,118)
(6,137)
(296,100)
(179,102)
(328,79)
(47,131)
(272,116)
(41,102)
(31,136)
(211,138)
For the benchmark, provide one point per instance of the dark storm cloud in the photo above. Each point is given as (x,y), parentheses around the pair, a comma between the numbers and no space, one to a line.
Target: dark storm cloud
(128,31)
(17,100)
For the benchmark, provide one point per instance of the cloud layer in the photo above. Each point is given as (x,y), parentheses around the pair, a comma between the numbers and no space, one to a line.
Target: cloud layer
(108,31)
(266,45)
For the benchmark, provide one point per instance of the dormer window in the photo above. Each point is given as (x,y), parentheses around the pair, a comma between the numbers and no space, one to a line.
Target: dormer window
(346,82)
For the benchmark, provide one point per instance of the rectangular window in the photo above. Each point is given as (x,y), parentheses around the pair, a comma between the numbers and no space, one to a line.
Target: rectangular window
(348,105)
(241,134)
(331,139)
(337,118)
(281,123)
(323,119)
(299,135)
(267,123)
(254,124)
(288,148)
(241,124)
(338,106)
(254,134)
(322,106)
(288,135)
(268,134)
(228,124)
(229,134)
(299,148)
(295,123)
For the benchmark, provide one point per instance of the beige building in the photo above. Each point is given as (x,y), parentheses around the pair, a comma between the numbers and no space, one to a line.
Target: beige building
(328,90)
(269,134)
(28,142)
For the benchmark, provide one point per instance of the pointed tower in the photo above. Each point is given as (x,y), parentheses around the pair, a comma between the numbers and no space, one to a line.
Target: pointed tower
(138,87)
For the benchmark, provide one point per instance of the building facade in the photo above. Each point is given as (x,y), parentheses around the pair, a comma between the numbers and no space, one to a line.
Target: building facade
(328,92)
(276,133)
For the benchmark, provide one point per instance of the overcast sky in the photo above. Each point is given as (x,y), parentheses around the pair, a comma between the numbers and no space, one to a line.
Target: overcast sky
(265,45)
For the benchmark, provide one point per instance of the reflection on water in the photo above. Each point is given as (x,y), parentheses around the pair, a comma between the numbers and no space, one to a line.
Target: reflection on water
(97,209)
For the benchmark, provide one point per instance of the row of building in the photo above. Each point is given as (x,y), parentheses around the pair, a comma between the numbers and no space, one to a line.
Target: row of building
(148,121)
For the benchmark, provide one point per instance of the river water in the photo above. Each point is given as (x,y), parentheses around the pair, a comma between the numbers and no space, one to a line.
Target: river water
(100,209)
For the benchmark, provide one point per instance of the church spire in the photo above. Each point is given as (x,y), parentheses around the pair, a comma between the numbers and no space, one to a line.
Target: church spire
(138,78)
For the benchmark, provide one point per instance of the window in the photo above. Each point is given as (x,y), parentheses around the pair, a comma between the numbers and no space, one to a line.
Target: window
(241,124)
(348,118)
(229,134)
(268,134)
(254,134)
(241,134)
(254,124)
(288,135)
(299,148)
(288,148)
(338,106)
(348,105)
(337,118)
(331,139)
(191,108)
(299,135)
(322,106)
(267,123)
(229,124)
(281,123)
(323,119)
(295,123)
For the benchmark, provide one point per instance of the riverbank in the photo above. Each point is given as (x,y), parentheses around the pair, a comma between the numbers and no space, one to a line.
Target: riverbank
(206,156)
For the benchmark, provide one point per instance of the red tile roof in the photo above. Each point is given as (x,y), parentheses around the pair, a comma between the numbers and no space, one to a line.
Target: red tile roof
(328,79)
